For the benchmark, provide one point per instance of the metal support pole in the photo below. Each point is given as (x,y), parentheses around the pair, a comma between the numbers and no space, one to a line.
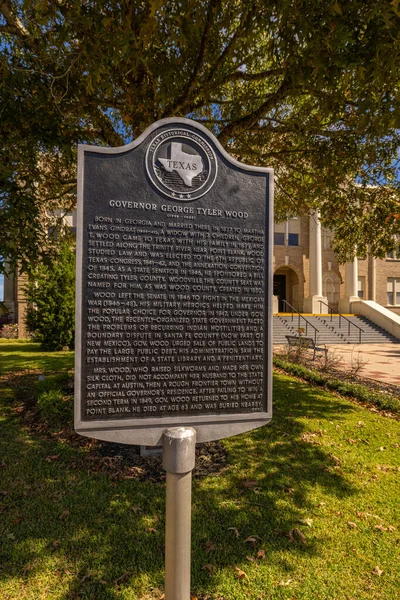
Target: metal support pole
(179,445)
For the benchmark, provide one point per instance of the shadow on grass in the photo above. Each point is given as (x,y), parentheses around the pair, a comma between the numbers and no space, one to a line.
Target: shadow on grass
(98,533)
(28,355)
(277,473)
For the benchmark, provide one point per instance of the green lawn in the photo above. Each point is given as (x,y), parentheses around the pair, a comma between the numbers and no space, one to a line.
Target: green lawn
(307,508)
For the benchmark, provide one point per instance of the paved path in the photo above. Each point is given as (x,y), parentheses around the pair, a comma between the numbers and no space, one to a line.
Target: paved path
(382,361)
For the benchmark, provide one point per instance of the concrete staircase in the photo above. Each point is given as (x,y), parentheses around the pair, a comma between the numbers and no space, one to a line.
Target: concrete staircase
(329,331)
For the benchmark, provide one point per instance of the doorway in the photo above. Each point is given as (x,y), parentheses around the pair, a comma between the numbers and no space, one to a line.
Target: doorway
(280,290)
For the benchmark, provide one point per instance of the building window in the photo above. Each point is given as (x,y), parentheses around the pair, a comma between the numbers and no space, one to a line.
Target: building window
(287,233)
(393,255)
(331,287)
(361,287)
(393,291)
(326,235)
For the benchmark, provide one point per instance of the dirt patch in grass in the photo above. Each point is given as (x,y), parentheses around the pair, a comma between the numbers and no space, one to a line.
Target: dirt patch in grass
(211,458)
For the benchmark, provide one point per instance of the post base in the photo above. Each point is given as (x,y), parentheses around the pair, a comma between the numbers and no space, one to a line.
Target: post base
(312,305)
(345,304)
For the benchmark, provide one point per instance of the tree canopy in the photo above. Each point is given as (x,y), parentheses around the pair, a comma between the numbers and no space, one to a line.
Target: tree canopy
(308,87)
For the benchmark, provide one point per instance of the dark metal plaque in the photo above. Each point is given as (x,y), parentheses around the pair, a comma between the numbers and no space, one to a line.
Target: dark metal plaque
(174,289)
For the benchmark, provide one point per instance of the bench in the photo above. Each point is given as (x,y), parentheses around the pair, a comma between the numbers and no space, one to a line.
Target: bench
(306,343)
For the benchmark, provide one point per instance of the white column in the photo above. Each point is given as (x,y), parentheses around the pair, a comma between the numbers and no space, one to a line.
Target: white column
(312,303)
(350,286)
(10,293)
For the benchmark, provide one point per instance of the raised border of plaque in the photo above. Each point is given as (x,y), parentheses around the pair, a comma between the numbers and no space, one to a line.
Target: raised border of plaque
(149,430)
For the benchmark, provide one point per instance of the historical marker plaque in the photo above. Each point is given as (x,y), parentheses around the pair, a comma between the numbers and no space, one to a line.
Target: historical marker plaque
(174,255)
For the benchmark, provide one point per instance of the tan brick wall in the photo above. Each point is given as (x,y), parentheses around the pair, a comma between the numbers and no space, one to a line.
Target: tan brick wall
(22,305)
(298,261)
(386,268)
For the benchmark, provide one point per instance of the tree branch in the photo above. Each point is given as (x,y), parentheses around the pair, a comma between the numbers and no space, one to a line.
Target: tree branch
(107,131)
(182,100)
(249,120)
(244,76)
(14,24)
(229,48)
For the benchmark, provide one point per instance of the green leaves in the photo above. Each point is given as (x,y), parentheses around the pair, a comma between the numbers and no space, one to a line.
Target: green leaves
(51,294)
(310,89)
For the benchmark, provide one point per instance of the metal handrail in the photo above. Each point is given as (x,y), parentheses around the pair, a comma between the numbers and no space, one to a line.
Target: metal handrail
(340,320)
(300,316)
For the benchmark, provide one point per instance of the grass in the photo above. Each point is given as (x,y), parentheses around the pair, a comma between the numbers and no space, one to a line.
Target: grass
(307,508)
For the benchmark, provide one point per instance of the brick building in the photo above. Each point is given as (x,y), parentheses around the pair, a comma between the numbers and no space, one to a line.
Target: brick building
(307,275)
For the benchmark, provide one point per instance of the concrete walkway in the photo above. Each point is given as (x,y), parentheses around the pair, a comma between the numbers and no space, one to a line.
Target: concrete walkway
(381,362)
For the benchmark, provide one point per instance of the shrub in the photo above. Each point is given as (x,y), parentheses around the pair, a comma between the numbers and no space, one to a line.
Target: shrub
(9,331)
(360,392)
(51,295)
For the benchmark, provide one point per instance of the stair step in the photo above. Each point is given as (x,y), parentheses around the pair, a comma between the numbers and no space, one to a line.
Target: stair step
(328,330)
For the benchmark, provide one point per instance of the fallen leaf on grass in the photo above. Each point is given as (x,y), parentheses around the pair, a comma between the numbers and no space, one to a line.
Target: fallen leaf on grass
(377,571)
(296,533)
(151,530)
(285,583)
(308,522)
(260,554)
(64,514)
(210,568)
(352,525)
(252,539)
(52,458)
(121,578)
(391,528)
(136,509)
(3,493)
(239,573)
(250,559)
(380,528)
(56,544)
(209,546)
(235,531)
(249,483)
(58,495)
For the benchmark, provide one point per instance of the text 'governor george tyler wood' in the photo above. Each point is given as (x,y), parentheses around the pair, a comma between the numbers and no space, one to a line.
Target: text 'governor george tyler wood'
(174,269)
